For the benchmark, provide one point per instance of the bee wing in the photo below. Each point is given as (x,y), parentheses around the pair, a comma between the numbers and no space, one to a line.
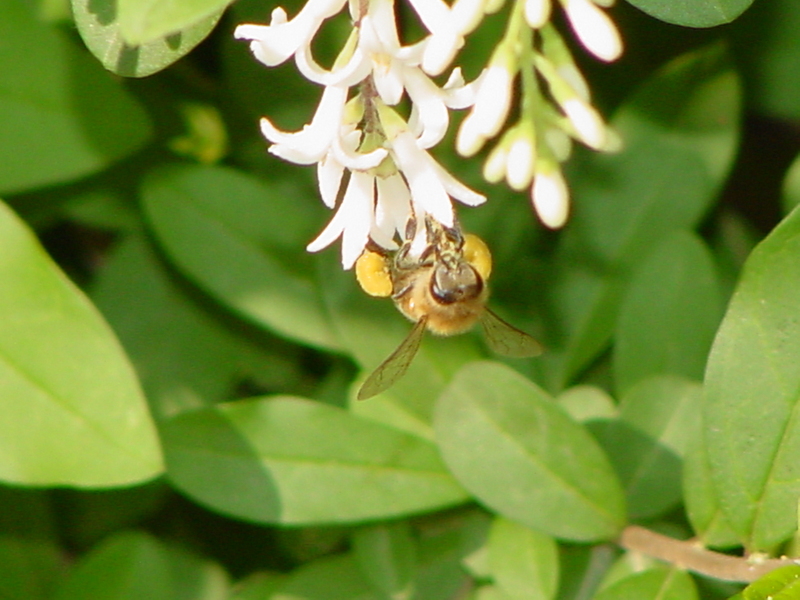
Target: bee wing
(394,367)
(506,339)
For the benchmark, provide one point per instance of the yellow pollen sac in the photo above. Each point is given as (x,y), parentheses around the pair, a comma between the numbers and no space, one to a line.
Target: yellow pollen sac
(477,254)
(372,274)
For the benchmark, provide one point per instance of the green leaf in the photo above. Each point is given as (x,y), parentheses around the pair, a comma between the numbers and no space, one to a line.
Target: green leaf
(329,578)
(144,21)
(658,419)
(61,116)
(386,554)
(587,403)
(524,562)
(753,393)
(99,24)
(134,565)
(293,461)
(693,13)
(510,445)
(229,232)
(769,57)
(680,131)
(185,356)
(660,583)
(701,500)
(790,191)
(73,413)
(670,314)
(29,569)
(780,584)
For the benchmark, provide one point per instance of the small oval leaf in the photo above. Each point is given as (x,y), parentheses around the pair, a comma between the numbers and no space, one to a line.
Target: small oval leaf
(73,412)
(294,461)
(752,394)
(519,453)
(693,13)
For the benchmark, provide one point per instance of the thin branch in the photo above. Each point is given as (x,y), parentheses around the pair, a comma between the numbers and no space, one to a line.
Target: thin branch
(691,556)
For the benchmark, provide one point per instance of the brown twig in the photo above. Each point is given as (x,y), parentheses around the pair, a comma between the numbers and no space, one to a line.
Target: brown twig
(688,555)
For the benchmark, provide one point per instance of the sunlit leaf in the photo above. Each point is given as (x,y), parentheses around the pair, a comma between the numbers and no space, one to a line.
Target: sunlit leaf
(520,454)
(694,13)
(61,116)
(524,562)
(228,232)
(99,26)
(660,583)
(780,584)
(752,391)
(73,412)
(293,461)
(144,21)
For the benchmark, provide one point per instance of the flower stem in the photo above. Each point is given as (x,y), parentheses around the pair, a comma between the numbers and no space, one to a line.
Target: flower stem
(690,555)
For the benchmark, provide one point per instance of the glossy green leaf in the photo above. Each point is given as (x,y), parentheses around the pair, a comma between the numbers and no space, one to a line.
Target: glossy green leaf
(659,417)
(228,232)
(582,569)
(258,586)
(386,554)
(99,24)
(61,116)
(293,461)
(660,583)
(587,403)
(73,413)
(670,313)
(752,394)
(524,562)
(693,13)
(329,578)
(680,132)
(780,584)
(134,565)
(512,447)
(185,356)
(29,569)
(701,500)
(144,21)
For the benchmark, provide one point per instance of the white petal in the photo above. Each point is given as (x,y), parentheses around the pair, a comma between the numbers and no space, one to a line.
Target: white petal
(521,161)
(457,94)
(329,178)
(431,110)
(466,15)
(355,70)
(273,44)
(345,152)
(455,188)
(352,221)
(537,12)
(395,199)
(494,169)
(388,80)
(312,142)
(587,122)
(423,181)
(469,139)
(440,50)
(551,198)
(594,29)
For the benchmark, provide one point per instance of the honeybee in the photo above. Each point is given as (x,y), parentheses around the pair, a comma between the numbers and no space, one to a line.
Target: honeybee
(441,288)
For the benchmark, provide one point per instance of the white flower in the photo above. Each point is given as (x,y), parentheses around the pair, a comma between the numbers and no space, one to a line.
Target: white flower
(274,43)
(431,185)
(521,161)
(588,124)
(594,29)
(537,12)
(550,196)
(492,102)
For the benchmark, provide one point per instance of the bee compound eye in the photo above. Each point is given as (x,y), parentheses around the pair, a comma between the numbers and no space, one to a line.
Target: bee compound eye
(372,274)
(449,286)
(477,254)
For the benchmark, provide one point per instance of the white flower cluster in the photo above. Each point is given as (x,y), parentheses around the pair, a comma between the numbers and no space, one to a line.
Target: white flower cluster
(391,174)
